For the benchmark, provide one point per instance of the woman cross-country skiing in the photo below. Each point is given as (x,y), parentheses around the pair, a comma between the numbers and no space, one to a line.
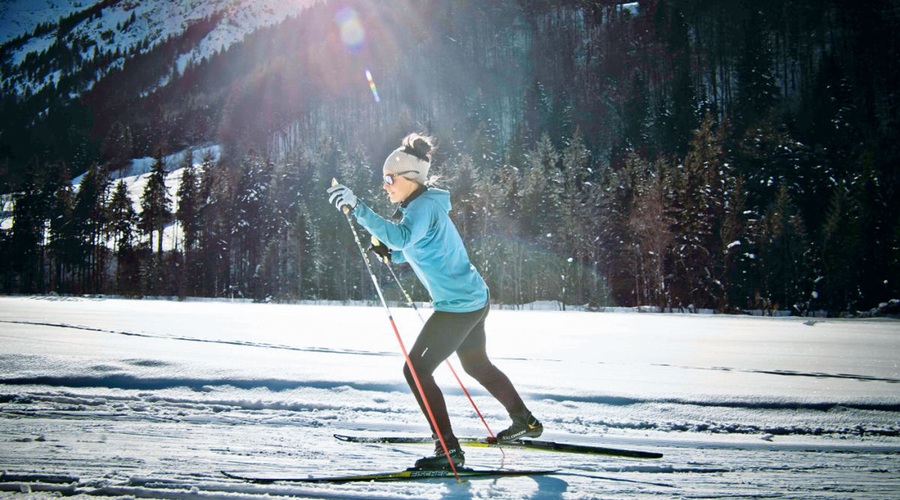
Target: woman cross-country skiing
(422,234)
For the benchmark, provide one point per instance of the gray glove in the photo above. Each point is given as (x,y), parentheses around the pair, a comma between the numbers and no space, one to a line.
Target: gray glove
(341,196)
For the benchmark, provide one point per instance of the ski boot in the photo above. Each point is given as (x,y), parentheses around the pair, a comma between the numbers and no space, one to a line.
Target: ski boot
(439,459)
(523,426)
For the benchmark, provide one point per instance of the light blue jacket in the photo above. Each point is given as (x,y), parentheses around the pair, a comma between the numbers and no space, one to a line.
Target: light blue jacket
(427,239)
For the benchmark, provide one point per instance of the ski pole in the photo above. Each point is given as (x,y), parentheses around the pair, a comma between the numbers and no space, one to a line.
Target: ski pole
(409,363)
(409,300)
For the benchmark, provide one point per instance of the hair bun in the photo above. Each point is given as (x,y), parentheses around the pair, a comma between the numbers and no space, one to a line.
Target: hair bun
(418,146)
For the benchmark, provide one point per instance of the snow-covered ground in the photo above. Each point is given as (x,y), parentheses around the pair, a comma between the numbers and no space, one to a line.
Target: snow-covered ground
(154,398)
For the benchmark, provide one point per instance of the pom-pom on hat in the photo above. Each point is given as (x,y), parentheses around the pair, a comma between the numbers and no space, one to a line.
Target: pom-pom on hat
(412,159)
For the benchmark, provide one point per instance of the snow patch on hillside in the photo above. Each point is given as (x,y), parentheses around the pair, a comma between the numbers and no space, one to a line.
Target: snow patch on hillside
(154,21)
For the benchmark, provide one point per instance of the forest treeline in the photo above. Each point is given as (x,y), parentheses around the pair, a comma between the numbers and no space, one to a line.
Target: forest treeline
(677,154)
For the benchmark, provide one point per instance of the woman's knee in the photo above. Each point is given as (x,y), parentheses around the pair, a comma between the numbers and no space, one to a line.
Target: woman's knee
(479,370)
(407,373)
(420,371)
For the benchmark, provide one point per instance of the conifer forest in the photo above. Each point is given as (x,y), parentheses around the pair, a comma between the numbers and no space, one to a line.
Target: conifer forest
(673,154)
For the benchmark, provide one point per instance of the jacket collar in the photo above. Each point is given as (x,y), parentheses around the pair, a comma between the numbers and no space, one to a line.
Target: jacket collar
(415,194)
(420,190)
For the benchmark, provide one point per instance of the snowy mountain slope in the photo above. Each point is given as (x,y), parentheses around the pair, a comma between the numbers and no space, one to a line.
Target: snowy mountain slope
(153,399)
(19,17)
(125,26)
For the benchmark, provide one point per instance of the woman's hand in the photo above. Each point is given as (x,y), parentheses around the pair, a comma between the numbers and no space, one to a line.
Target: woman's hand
(341,196)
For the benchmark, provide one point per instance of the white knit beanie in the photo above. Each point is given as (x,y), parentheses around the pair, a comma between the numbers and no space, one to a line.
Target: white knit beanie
(411,160)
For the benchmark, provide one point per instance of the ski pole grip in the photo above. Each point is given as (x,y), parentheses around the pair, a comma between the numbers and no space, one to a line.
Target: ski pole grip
(345,208)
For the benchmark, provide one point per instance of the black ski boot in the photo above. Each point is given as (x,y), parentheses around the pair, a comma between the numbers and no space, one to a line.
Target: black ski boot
(523,426)
(439,459)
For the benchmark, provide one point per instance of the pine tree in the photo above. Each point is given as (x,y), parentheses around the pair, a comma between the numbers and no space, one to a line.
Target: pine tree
(27,238)
(282,272)
(757,91)
(156,206)
(187,193)
(250,223)
(841,252)
(782,255)
(736,261)
(699,196)
(122,218)
(499,249)
(187,217)
(122,226)
(463,182)
(542,190)
(62,235)
(649,233)
(213,242)
(573,247)
(541,220)
(89,216)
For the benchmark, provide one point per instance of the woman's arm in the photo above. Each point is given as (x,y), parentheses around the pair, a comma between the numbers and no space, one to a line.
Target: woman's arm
(396,235)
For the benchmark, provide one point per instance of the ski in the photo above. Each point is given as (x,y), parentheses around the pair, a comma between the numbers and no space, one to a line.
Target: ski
(521,443)
(411,474)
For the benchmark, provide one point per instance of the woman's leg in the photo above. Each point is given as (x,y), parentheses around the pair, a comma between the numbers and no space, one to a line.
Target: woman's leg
(473,356)
(440,337)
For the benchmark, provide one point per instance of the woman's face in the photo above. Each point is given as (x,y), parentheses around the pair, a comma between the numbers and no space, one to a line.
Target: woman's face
(400,189)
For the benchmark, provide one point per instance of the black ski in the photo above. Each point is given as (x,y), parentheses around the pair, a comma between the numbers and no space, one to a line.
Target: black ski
(521,443)
(412,474)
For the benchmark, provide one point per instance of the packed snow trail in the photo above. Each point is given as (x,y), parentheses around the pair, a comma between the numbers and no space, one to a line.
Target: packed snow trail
(154,398)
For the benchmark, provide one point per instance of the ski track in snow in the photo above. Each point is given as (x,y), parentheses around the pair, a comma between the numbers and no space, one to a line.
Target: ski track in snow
(154,398)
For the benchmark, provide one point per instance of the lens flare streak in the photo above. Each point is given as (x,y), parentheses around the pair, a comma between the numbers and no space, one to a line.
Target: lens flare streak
(372,86)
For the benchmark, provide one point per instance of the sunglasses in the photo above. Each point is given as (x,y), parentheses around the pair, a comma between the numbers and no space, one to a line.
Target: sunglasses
(389,178)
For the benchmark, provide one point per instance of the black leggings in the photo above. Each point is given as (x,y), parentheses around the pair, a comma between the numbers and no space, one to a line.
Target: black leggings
(444,333)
